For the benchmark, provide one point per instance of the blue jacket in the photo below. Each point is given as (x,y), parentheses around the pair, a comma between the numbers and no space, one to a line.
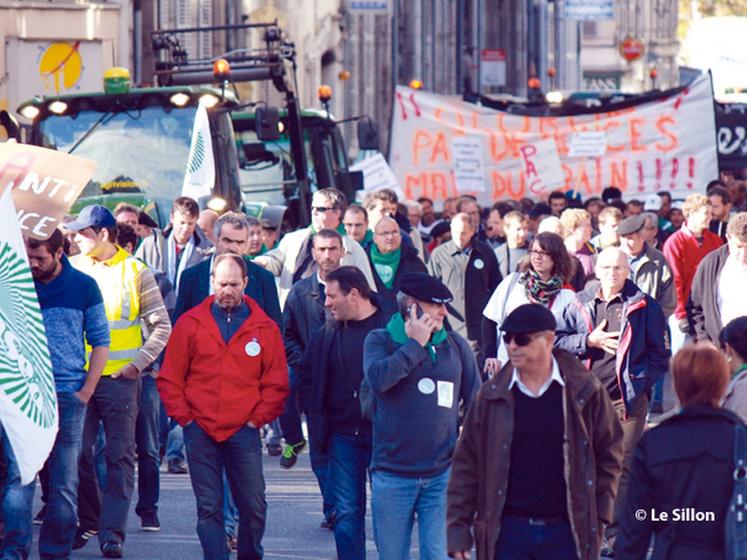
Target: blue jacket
(417,401)
(194,287)
(73,314)
(643,351)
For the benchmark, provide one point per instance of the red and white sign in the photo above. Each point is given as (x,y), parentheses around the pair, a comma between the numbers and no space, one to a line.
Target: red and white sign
(632,49)
(493,67)
(542,167)
(665,144)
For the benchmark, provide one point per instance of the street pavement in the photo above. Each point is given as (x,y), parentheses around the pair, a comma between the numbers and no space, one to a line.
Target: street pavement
(293,532)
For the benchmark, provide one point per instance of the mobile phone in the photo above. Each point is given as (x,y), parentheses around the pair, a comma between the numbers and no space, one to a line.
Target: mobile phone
(406,311)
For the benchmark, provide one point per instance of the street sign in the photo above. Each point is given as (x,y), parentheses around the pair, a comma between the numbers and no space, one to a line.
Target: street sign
(368,6)
(493,68)
(632,49)
(589,10)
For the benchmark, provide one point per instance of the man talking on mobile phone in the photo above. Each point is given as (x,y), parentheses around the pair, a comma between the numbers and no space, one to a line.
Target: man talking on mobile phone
(420,375)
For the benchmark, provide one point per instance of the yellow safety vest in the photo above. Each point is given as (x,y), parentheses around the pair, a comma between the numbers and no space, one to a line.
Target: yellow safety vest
(117,280)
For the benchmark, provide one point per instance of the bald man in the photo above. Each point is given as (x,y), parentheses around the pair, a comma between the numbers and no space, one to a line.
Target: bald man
(390,259)
(621,335)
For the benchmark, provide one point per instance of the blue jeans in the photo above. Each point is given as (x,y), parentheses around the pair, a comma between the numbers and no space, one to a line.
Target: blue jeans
(171,438)
(115,404)
(319,460)
(522,540)
(349,457)
(241,457)
(395,501)
(61,517)
(146,445)
(17,503)
(230,511)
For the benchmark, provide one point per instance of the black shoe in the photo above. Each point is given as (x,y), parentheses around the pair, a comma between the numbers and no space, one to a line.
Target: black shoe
(290,454)
(39,519)
(112,549)
(274,449)
(326,524)
(177,467)
(149,522)
(82,537)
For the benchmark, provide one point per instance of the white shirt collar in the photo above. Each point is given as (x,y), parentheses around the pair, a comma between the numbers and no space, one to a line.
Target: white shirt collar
(516,380)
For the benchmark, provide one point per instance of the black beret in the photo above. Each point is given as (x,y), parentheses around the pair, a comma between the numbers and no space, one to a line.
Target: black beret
(529,318)
(440,228)
(540,209)
(425,288)
(631,225)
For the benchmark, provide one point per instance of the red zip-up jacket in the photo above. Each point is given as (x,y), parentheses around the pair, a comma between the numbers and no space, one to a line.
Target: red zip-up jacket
(684,255)
(223,386)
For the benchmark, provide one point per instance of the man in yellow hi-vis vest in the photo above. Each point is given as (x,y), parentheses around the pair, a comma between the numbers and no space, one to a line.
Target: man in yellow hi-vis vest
(131,299)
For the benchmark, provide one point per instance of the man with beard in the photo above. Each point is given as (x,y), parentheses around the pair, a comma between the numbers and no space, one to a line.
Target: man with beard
(73,314)
(225,376)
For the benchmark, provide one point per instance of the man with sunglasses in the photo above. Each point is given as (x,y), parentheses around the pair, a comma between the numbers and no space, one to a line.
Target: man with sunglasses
(621,335)
(292,260)
(544,486)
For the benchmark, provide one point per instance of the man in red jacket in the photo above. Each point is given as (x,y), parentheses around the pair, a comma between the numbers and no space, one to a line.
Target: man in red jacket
(684,250)
(225,375)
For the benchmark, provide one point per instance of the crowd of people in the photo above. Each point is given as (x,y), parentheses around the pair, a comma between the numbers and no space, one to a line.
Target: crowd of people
(490,373)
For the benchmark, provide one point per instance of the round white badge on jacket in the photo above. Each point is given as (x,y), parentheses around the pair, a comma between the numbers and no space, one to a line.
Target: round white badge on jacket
(426,386)
(252,348)
(479,264)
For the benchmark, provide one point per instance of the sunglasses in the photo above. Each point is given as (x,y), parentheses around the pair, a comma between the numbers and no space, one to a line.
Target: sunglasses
(521,339)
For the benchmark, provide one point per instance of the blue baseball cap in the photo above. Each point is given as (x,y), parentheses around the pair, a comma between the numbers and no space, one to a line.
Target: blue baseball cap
(93,215)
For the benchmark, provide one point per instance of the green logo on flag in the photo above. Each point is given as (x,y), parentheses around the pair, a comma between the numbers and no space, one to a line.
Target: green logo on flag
(197,157)
(24,366)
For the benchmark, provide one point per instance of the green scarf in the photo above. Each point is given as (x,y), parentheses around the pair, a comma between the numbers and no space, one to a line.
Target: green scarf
(396,329)
(262,251)
(368,238)
(740,370)
(386,265)
(339,229)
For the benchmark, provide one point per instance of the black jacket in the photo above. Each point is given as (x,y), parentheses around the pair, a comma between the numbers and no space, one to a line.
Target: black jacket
(313,372)
(479,282)
(408,262)
(194,287)
(685,462)
(702,307)
(303,315)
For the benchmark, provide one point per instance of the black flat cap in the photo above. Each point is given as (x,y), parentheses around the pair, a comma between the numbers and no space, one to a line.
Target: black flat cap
(529,318)
(631,225)
(440,228)
(425,288)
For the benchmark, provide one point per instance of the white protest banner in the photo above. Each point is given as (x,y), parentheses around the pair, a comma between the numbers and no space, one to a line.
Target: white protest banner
(200,175)
(588,144)
(542,166)
(28,402)
(468,172)
(377,175)
(45,184)
(665,144)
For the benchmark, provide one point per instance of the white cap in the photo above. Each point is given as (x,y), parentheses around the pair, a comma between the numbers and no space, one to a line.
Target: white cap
(652,203)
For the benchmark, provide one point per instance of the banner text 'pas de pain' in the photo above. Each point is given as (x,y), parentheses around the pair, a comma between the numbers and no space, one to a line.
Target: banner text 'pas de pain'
(667,144)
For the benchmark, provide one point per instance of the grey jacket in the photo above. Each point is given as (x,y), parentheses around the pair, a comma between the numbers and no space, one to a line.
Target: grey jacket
(652,275)
(153,252)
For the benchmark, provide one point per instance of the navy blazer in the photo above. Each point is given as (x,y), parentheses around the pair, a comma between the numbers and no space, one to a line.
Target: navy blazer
(194,287)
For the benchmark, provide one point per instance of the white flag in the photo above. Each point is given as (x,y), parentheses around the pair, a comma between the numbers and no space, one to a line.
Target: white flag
(199,177)
(28,402)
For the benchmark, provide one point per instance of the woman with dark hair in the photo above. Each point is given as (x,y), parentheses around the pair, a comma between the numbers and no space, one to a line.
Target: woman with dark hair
(733,339)
(681,480)
(542,277)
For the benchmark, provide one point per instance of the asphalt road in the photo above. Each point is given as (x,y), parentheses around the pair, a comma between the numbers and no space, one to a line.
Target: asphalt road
(293,531)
